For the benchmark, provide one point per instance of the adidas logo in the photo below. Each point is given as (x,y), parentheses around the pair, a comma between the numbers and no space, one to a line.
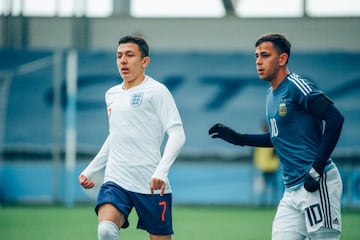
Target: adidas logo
(336,221)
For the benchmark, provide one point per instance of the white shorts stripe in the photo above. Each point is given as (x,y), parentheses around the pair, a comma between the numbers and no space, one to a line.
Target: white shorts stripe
(325,202)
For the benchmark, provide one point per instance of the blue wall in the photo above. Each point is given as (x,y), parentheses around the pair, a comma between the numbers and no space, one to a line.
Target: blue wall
(192,183)
(208,88)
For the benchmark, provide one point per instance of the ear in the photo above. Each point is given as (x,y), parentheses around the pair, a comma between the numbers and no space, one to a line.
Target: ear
(283,59)
(146,61)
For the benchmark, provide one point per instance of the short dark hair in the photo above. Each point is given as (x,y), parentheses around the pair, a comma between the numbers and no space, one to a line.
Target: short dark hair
(140,41)
(280,42)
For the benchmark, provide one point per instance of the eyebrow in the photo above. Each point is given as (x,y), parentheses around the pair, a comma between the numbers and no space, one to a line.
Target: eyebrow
(127,51)
(263,52)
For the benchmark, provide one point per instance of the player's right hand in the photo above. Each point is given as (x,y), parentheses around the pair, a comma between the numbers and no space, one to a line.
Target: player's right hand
(226,133)
(85,182)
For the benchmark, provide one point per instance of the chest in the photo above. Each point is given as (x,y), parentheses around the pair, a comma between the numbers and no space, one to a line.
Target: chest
(282,105)
(128,104)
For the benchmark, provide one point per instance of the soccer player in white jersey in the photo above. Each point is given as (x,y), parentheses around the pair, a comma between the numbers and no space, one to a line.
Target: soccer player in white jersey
(141,111)
(296,110)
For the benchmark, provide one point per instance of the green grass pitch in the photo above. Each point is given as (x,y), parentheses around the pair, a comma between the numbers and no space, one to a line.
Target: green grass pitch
(190,222)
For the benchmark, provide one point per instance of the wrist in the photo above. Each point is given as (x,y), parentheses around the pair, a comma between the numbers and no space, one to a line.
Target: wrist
(319,166)
(240,139)
(314,174)
(160,174)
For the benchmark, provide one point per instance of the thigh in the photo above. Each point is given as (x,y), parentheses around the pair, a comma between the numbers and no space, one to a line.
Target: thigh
(158,237)
(325,234)
(114,204)
(322,208)
(288,221)
(155,213)
(108,212)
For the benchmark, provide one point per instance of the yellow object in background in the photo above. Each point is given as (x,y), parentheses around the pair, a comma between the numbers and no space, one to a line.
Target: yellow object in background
(266,159)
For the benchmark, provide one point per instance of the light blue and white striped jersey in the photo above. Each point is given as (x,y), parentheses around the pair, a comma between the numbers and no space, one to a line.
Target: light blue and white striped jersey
(295,133)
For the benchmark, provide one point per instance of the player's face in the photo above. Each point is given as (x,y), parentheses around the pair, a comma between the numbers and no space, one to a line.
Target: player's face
(268,61)
(130,64)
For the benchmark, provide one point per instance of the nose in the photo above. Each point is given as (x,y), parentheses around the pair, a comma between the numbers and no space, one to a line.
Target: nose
(121,60)
(258,61)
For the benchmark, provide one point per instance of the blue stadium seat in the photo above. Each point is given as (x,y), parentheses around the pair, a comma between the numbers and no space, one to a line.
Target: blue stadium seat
(208,88)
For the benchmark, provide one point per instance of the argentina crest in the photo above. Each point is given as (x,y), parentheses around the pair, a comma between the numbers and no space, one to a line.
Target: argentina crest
(282,107)
(136,99)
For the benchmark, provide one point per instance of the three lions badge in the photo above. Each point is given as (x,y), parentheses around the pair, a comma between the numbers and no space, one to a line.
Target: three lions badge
(136,99)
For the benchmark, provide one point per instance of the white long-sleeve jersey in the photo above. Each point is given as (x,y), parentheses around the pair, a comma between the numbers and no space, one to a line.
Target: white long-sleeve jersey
(138,120)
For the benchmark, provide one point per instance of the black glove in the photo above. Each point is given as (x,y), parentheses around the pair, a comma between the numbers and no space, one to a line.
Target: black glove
(221,131)
(312,181)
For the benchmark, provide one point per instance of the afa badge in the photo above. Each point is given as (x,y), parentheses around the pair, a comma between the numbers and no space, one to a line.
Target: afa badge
(282,108)
(136,99)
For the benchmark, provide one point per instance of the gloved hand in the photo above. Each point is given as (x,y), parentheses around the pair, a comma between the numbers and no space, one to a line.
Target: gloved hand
(221,131)
(312,181)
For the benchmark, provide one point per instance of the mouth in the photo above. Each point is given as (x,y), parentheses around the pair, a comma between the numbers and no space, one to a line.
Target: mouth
(260,71)
(124,70)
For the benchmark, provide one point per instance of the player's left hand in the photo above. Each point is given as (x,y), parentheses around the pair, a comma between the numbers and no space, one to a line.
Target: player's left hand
(312,181)
(157,184)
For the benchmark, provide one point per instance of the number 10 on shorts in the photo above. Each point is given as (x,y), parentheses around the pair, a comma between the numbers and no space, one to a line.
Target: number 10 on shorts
(314,214)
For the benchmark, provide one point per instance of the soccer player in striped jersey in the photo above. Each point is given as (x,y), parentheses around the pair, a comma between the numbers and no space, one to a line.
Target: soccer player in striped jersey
(296,110)
(141,111)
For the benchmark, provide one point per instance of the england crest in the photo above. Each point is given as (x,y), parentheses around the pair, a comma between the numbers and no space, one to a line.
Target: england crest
(136,99)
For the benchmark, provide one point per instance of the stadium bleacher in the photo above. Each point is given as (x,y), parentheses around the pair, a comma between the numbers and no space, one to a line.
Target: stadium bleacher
(208,88)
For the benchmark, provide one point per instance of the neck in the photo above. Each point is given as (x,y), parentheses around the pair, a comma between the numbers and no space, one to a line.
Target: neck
(274,83)
(130,84)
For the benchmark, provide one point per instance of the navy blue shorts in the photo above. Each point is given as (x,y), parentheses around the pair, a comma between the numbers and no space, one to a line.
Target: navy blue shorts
(153,210)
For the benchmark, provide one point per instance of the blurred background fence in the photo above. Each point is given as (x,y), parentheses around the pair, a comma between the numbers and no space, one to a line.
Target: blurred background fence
(207,64)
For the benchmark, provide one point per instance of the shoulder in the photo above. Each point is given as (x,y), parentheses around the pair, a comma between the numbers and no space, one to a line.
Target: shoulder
(157,86)
(153,82)
(300,84)
(113,89)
